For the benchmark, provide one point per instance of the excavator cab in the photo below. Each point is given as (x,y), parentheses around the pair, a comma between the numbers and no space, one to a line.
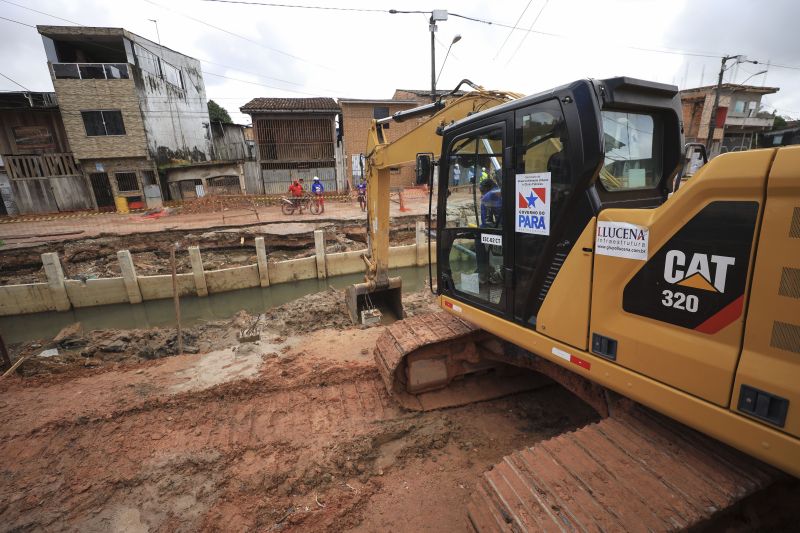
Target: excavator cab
(520,183)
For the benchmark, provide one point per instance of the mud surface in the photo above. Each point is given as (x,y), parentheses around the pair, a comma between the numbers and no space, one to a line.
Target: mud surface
(294,432)
(92,258)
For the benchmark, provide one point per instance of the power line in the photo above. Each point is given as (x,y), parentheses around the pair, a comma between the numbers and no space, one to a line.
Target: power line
(40,12)
(298,6)
(276,50)
(15,82)
(200,59)
(511,32)
(535,20)
(18,22)
(482,21)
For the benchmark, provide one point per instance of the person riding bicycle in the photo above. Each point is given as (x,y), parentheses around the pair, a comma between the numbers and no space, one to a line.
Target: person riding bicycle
(318,190)
(296,190)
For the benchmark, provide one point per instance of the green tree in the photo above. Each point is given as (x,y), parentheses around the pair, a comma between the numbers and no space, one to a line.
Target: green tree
(217,113)
(780,122)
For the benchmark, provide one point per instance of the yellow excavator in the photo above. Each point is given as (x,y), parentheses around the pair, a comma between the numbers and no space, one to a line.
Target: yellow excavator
(562,249)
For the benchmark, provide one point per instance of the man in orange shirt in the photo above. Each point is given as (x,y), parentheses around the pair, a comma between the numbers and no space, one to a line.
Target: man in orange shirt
(296,191)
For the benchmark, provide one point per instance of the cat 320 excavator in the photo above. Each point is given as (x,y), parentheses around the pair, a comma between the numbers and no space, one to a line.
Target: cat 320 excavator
(563,247)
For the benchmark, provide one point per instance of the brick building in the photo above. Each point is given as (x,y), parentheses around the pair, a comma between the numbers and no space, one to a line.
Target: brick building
(128,105)
(357,116)
(295,138)
(739,116)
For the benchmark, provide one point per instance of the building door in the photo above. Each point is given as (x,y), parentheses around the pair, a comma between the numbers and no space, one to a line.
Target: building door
(101,188)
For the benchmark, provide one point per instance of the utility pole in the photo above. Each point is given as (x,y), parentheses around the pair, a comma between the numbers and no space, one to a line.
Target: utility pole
(436,15)
(713,121)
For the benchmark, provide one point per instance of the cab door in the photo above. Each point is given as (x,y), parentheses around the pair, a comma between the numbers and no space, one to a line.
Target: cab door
(473,258)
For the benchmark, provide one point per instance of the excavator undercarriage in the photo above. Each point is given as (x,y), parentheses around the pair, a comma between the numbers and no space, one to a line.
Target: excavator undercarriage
(634,470)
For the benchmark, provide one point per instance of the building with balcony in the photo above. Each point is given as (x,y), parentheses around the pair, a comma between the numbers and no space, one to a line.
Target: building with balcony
(295,138)
(739,119)
(129,106)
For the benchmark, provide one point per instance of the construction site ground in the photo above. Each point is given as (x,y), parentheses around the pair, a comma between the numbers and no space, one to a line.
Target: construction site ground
(288,433)
(88,246)
(294,432)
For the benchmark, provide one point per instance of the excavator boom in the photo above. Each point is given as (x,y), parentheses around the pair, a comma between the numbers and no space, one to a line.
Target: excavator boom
(382,154)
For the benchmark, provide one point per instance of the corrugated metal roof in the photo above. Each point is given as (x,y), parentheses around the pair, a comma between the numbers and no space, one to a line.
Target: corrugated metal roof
(290,104)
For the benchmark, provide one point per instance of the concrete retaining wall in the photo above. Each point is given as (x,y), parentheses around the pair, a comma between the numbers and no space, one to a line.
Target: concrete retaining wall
(59,294)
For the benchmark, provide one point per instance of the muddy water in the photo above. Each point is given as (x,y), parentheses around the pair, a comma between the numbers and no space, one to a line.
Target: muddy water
(154,313)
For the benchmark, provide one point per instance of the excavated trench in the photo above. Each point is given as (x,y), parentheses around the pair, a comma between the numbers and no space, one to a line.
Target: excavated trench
(220,248)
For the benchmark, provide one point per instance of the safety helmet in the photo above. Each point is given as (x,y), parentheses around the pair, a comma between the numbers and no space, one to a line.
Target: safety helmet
(316,178)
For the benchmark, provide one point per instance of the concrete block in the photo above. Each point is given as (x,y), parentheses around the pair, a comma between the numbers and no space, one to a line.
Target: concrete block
(403,256)
(157,287)
(231,279)
(103,291)
(22,299)
(345,262)
(129,276)
(197,271)
(319,247)
(55,280)
(293,270)
(263,265)
(422,243)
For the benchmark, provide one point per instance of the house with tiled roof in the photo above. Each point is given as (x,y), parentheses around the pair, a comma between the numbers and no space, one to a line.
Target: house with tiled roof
(295,138)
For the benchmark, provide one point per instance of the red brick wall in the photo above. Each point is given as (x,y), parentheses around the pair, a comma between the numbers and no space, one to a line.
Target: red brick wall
(357,119)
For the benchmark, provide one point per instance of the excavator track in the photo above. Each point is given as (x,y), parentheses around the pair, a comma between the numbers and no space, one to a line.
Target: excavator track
(633,471)
(437,360)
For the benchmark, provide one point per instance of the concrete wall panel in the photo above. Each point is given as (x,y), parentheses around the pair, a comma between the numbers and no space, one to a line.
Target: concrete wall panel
(22,299)
(229,279)
(293,270)
(156,287)
(96,292)
(403,256)
(345,263)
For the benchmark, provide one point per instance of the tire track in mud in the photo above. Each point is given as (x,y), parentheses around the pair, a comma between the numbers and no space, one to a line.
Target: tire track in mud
(79,473)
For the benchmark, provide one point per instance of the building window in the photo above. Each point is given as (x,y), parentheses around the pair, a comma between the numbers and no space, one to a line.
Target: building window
(148,177)
(739,107)
(380,112)
(101,123)
(171,74)
(126,181)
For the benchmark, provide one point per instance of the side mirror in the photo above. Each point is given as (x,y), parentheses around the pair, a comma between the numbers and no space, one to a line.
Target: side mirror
(424,169)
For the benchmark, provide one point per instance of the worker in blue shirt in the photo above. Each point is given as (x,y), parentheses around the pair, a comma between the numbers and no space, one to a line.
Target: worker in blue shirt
(491,217)
(317,189)
(491,204)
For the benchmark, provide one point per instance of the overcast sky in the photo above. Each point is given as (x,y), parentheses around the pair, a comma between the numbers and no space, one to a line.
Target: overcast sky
(275,51)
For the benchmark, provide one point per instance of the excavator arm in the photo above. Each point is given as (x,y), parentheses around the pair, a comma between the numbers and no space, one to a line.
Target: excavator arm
(379,290)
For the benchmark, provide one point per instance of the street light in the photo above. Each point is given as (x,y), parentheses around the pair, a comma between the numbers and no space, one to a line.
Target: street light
(437,15)
(739,59)
(454,41)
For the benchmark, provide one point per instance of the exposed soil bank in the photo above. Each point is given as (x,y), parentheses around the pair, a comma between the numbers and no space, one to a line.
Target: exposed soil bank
(220,248)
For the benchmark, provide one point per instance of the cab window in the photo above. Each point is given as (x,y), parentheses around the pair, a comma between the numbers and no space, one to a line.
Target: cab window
(632,159)
(474,160)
